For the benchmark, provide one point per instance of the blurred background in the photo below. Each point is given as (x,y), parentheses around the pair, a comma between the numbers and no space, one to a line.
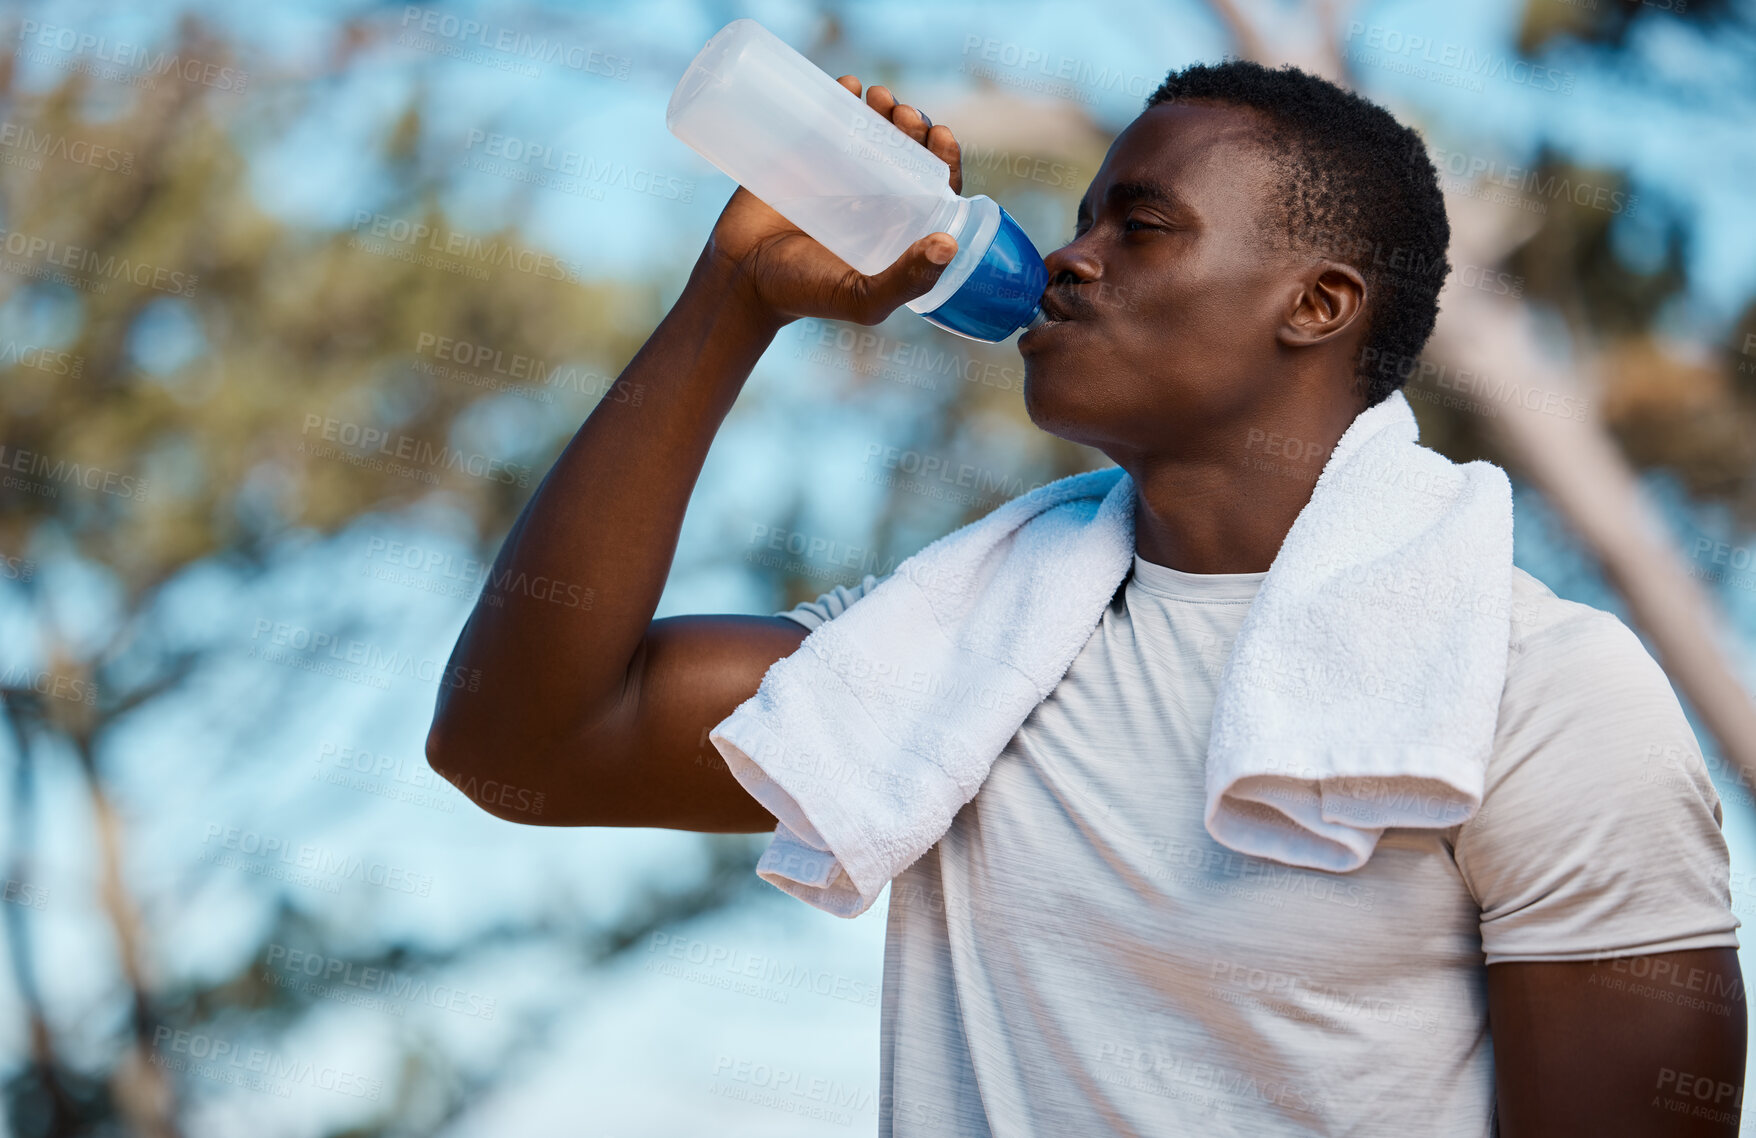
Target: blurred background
(298,302)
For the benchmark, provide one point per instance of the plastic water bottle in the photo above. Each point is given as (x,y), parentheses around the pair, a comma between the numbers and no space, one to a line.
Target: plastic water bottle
(817,154)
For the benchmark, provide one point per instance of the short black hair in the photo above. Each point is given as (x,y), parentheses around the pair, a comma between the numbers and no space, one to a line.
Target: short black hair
(1358,187)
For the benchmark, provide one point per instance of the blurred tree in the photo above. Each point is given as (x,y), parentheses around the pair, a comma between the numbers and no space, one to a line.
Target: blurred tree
(1609,25)
(207,464)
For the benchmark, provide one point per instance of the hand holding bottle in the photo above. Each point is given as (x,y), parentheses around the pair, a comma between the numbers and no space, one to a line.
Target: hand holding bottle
(868,181)
(790,274)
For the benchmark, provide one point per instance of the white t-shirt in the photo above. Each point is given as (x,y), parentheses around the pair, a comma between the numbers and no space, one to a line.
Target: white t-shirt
(1077,956)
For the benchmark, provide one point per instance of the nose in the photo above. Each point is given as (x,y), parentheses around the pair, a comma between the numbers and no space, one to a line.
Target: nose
(1072,264)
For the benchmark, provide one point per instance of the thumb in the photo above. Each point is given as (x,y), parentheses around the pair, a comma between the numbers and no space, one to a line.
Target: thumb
(913,274)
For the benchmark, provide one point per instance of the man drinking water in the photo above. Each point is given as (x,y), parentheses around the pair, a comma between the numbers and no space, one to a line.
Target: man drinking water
(1078,954)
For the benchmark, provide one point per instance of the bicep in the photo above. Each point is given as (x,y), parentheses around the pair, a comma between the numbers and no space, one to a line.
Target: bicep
(652,762)
(1633,1045)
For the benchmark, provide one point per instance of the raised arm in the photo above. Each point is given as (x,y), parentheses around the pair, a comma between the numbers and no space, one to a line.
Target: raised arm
(582,697)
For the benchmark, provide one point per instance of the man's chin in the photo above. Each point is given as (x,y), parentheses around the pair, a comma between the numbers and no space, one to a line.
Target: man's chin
(1046,388)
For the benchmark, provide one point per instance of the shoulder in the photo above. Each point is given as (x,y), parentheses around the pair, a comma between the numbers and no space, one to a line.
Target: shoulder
(832,604)
(1537,611)
(1599,828)
(1578,669)
(1586,715)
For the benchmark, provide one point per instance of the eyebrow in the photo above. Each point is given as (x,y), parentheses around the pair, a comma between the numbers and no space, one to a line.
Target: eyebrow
(1141,190)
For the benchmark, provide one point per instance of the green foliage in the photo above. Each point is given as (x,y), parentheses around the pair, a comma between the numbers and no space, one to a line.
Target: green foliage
(292,324)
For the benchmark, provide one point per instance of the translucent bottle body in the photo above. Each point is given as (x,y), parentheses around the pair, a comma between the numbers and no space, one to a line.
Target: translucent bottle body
(816,153)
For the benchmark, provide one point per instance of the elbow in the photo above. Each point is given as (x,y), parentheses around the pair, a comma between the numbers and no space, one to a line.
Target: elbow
(448,758)
(489,782)
(456,761)
(439,750)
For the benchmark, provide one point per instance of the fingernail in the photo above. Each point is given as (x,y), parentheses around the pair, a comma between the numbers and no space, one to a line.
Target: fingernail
(939,254)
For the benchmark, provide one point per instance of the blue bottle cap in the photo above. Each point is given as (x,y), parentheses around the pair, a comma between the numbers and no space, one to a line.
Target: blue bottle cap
(1002,292)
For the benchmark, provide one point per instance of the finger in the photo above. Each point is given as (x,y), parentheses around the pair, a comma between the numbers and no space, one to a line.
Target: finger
(850,83)
(911,122)
(944,145)
(880,99)
(912,275)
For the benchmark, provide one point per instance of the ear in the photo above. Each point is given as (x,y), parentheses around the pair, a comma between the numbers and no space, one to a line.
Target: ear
(1330,298)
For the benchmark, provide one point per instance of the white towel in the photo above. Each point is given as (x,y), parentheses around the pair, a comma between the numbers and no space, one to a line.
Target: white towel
(1362,691)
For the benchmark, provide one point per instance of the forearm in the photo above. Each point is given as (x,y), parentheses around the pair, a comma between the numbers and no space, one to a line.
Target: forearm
(547,656)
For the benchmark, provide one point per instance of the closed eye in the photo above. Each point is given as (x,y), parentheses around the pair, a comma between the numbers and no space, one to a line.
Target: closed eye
(1131,225)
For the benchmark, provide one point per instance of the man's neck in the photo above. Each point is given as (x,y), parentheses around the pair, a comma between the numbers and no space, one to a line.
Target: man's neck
(1229,510)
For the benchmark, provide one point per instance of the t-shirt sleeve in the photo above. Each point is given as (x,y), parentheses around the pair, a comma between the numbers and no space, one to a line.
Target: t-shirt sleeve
(832,604)
(1599,831)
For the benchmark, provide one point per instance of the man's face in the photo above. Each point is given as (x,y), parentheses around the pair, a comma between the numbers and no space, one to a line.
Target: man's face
(1171,290)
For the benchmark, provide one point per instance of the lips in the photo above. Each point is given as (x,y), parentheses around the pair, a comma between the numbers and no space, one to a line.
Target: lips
(1060,310)
(1054,307)
(1049,328)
